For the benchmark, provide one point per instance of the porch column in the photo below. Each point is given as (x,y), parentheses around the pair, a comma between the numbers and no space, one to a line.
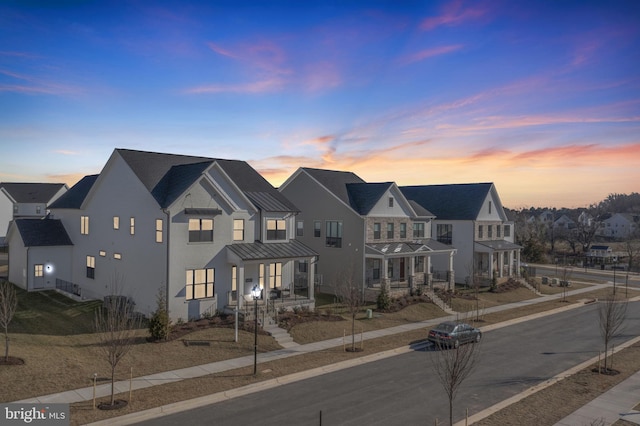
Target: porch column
(385,273)
(412,271)
(240,285)
(427,273)
(310,278)
(452,274)
(267,277)
(500,264)
(518,262)
(491,271)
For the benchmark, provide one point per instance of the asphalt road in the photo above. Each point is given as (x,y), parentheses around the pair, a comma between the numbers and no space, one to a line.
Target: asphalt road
(404,389)
(577,274)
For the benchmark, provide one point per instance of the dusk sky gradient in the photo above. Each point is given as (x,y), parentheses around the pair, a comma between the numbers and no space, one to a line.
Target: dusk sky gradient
(540,97)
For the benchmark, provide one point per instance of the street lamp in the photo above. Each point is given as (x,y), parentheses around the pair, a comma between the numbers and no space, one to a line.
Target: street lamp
(255,293)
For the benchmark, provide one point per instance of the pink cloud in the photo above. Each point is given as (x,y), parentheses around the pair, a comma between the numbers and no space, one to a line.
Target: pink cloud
(454,13)
(429,53)
(264,86)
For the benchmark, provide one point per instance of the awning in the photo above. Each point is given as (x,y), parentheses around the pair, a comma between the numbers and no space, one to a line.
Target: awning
(202,211)
(292,249)
(495,245)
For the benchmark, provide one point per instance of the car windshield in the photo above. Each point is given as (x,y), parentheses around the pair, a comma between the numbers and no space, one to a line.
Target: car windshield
(446,327)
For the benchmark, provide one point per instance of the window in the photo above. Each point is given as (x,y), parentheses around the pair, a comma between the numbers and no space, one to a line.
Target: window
(490,231)
(261,275)
(15,208)
(234,278)
(303,266)
(445,233)
(376,231)
(375,270)
(498,231)
(102,253)
(200,230)
(91,267)
(317,227)
(418,230)
(403,230)
(390,231)
(480,231)
(390,201)
(117,256)
(38,270)
(84,225)
(158,230)
(116,222)
(334,233)
(38,209)
(238,229)
(275,275)
(419,263)
(132,225)
(489,207)
(276,229)
(199,283)
(299,228)
(507,231)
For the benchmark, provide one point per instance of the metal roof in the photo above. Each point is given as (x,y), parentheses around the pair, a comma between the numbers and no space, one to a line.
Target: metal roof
(496,245)
(399,249)
(259,251)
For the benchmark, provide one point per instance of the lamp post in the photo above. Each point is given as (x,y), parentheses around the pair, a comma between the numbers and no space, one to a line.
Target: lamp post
(615,262)
(255,292)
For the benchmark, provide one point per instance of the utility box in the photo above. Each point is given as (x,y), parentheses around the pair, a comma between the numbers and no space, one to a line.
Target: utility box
(369,314)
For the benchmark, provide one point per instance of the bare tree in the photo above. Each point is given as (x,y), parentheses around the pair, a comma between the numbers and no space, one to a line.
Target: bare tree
(350,295)
(612,312)
(8,305)
(116,325)
(453,366)
(565,276)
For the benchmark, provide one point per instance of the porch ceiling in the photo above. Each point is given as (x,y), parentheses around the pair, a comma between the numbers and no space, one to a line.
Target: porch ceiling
(292,249)
(496,245)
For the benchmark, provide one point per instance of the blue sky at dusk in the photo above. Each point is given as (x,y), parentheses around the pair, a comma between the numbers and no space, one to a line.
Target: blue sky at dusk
(542,98)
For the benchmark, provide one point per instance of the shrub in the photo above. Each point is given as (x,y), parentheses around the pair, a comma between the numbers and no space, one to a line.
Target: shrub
(383,301)
(159,321)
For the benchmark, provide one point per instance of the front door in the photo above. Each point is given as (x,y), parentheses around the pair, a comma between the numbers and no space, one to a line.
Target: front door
(402,269)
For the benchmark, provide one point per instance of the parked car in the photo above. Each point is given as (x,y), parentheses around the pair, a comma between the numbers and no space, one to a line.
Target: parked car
(452,334)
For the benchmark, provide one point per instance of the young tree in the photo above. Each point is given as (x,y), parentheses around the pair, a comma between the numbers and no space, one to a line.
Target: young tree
(159,322)
(116,325)
(611,312)
(350,295)
(8,305)
(453,366)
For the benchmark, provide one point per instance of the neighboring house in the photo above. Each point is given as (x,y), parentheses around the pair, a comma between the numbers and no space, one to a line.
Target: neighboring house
(564,223)
(204,230)
(600,255)
(621,226)
(470,217)
(585,219)
(366,232)
(23,200)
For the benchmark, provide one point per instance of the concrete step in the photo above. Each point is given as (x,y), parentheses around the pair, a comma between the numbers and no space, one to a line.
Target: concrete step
(281,335)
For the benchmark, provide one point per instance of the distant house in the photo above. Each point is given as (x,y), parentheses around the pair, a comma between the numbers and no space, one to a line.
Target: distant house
(205,230)
(24,200)
(366,232)
(564,223)
(600,254)
(621,226)
(470,217)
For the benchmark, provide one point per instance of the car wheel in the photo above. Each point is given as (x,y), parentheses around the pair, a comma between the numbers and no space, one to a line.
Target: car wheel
(478,337)
(456,344)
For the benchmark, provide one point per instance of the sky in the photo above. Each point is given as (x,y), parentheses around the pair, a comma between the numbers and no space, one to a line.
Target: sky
(540,97)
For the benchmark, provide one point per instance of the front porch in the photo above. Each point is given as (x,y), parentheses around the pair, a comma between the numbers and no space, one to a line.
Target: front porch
(499,259)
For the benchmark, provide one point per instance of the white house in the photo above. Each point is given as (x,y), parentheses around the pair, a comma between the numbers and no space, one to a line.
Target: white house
(470,217)
(620,226)
(204,230)
(367,232)
(24,200)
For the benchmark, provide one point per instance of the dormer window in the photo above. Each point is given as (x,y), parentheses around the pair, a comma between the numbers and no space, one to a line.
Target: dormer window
(276,229)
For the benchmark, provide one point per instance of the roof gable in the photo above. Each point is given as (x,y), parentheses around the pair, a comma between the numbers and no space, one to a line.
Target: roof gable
(335,181)
(364,196)
(32,192)
(450,202)
(74,197)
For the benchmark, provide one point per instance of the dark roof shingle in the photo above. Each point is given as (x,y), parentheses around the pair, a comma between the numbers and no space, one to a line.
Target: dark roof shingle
(32,192)
(73,198)
(43,232)
(450,202)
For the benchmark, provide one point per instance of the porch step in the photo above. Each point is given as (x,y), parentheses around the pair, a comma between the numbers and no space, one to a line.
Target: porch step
(440,303)
(530,287)
(281,335)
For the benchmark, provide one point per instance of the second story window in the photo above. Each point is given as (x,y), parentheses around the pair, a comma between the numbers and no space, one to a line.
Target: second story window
(403,230)
(490,231)
(317,228)
(200,230)
(84,225)
(390,201)
(445,233)
(390,230)
(418,230)
(38,209)
(116,222)
(376,231)
(132,225)
(299,228)
(480,231)
(334,233)
(507,231)
(238,229)
(276,229)
(15,209)
(498,227)
(158,230)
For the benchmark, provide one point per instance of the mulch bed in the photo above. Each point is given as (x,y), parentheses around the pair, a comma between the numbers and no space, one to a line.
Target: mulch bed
(11,361)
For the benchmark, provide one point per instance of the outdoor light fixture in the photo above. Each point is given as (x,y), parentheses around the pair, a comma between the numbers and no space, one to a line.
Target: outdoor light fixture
(255,292)
(49,268)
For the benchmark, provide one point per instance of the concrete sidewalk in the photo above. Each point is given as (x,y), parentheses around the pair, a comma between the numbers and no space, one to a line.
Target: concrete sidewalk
(86,394)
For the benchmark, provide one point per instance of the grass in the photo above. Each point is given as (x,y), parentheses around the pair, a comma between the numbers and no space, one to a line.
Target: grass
(51,336)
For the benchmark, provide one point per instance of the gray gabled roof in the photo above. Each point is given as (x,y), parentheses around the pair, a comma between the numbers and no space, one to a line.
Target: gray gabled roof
(364,196)
(73,198)
(335,181)
(42,232)
(32,192)
(291,249)
(450,202)
(167,176)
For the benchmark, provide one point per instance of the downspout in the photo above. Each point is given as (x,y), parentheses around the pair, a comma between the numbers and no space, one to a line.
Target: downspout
(165,211)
